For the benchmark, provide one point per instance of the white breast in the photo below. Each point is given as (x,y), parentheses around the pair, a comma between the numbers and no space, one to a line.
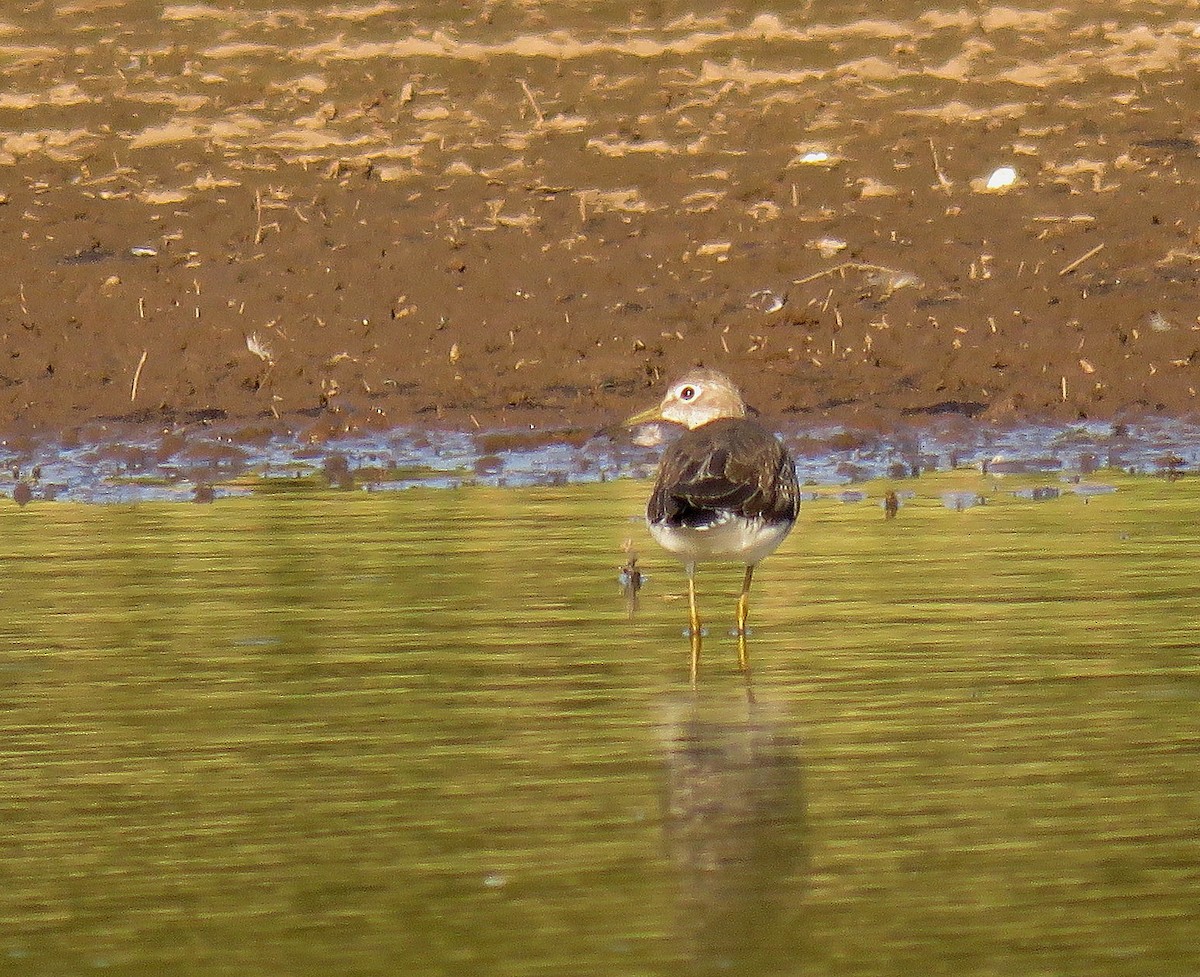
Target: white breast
(729,538)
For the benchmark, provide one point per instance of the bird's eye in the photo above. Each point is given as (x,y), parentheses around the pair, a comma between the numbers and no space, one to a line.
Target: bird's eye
(687,393)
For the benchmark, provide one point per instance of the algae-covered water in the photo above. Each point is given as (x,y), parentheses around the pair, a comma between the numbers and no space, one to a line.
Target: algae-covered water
(418,732)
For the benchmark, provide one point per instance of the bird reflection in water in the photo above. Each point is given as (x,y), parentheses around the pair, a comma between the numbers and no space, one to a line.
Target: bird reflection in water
(736,833)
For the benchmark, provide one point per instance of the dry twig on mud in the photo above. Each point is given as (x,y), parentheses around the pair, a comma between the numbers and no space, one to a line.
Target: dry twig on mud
(1067,269)
(891,279)
(541,119)
(137,375)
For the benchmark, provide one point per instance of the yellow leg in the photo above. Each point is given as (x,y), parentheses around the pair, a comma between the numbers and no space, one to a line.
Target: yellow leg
(743,610)
(743,606)
(693,620)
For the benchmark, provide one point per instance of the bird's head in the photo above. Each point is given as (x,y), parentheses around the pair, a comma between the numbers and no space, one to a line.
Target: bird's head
(696,398)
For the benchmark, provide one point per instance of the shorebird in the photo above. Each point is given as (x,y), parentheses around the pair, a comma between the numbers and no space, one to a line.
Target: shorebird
(726,488)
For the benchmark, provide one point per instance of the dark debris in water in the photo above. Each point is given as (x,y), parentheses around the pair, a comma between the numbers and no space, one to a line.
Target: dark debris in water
(1039,493)
(131,462)
(891,504)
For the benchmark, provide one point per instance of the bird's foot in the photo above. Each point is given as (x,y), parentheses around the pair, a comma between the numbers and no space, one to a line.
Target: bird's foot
(689,633)
(736,632)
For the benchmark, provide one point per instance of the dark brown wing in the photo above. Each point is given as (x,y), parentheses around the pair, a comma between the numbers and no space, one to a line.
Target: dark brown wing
(728,465)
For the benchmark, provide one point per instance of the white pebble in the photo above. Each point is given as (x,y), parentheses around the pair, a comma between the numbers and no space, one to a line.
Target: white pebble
(1002,177)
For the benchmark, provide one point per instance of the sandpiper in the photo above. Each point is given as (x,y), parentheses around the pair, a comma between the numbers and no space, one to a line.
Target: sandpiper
(726,488)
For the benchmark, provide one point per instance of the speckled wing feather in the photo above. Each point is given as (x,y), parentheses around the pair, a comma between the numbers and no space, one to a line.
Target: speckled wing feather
(727,466)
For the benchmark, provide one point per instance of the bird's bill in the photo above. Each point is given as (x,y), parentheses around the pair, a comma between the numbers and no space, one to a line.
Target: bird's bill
(642,417)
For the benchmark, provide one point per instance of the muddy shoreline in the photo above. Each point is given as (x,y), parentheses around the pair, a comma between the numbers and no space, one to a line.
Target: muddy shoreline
(349,220)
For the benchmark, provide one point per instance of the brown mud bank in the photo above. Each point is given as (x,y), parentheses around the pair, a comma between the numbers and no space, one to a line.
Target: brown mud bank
(345,219)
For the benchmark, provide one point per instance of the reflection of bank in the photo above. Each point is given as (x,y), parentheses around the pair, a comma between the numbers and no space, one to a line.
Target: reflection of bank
(736,833)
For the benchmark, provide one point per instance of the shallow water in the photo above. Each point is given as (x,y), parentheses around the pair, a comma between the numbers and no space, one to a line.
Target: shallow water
(135,462)
(418,732)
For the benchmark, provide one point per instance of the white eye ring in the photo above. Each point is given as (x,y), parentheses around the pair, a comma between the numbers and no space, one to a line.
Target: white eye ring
(687,393)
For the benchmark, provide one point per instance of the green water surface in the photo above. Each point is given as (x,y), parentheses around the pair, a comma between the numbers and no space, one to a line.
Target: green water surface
(418,733)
